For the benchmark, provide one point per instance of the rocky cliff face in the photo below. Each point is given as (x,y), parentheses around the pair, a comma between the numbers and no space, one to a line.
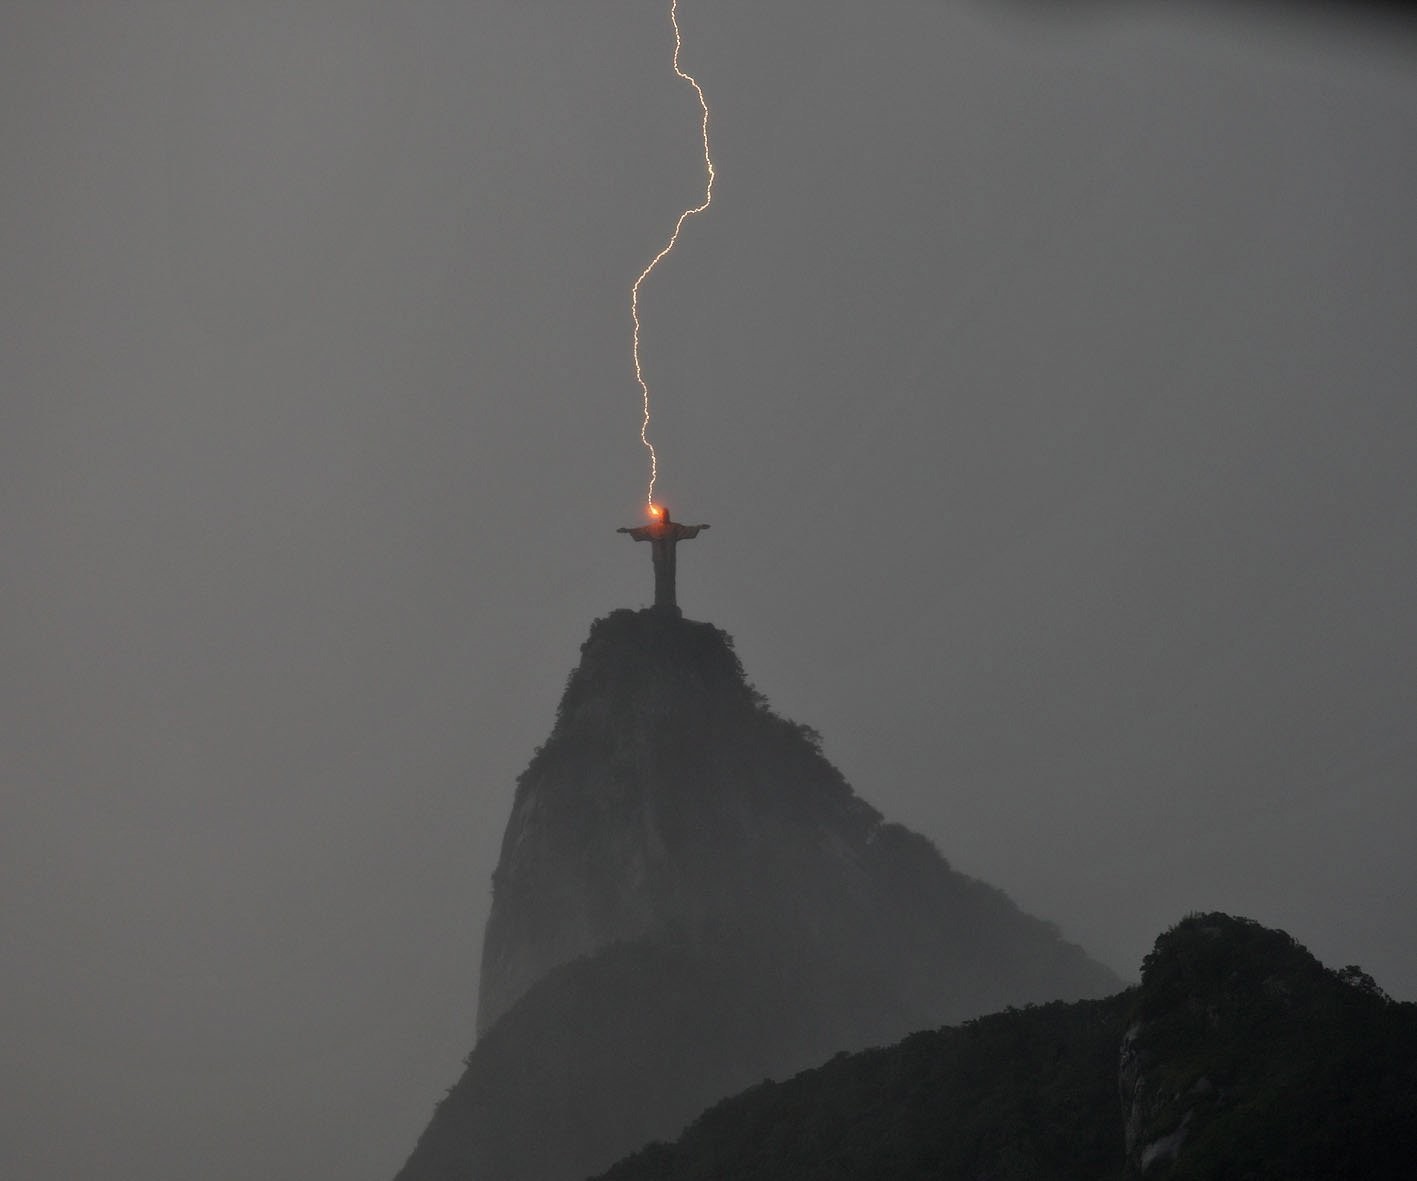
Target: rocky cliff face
(688,885)
(1246,1057)
(668,793)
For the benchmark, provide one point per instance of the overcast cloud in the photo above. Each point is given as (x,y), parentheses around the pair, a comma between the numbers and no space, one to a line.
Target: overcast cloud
(1049,390)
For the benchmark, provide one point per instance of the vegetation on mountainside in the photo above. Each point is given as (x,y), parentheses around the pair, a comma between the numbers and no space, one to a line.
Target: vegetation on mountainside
(1283,1068)
(1012,1096)
(1269,1065)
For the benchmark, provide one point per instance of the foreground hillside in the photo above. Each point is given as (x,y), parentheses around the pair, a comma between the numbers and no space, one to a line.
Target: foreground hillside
(1238,1056)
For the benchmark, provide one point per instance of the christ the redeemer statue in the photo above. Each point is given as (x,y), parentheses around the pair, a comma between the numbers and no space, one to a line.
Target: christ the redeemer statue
(663,535)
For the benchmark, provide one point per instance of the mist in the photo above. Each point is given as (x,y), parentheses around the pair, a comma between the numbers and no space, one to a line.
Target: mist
(1048,387)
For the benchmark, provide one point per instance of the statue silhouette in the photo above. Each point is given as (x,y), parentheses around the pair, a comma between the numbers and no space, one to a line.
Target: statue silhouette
(663,535)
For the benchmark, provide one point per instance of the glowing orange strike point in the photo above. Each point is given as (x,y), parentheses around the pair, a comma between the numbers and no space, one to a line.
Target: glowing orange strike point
(664,535)
(654,262)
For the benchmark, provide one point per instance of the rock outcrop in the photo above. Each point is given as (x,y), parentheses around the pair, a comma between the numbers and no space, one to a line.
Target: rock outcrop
(690,897)
(669,794)
(1243,1052)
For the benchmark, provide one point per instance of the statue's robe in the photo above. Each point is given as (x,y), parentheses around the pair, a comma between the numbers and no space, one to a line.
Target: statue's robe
(663,535)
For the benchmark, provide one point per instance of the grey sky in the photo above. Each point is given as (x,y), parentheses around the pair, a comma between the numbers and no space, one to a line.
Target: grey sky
(1049,390)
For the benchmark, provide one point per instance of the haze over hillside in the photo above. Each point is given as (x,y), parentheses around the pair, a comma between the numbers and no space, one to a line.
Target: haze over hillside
(690,897)
(1239,1055)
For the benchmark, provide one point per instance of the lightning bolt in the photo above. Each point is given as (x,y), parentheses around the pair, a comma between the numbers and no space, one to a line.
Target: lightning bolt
(668,246)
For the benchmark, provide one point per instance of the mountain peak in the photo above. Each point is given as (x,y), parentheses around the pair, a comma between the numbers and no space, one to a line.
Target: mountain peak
(666,791)
(690,896)
(652,667)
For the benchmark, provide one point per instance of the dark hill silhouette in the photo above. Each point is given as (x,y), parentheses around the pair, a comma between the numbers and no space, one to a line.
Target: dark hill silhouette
(691,897)
(1238,1056)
